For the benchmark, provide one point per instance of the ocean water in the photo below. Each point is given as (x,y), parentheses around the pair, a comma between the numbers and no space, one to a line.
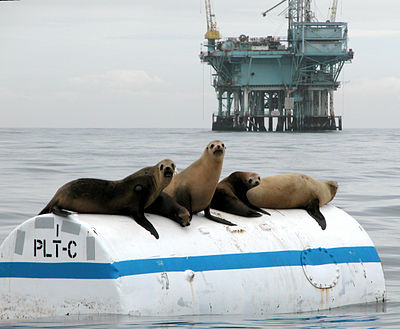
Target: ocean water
(365,162)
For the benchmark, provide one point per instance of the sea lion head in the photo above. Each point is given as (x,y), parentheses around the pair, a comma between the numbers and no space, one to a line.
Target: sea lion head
(333,186)
(166,169)
(216,149)
(252,179)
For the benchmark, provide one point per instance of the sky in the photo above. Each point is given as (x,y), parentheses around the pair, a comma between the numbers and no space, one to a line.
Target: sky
(135,64)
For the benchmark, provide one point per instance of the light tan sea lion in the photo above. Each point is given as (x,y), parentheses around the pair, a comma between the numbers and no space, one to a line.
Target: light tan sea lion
(294,191)
(230,194)
(128,196)
(194,187)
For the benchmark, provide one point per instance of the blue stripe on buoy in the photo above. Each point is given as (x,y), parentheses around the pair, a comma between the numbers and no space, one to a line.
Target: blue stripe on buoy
(79,270)
(58,270)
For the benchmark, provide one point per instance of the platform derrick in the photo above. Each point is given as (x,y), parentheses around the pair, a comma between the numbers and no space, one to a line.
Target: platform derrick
(273,84)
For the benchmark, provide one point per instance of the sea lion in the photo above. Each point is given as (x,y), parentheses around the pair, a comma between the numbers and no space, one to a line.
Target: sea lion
(230,194)
(128,196)
(194,187)
(294,191)
(166,206)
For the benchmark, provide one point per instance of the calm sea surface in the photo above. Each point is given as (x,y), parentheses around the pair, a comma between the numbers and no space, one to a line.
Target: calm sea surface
(366,163)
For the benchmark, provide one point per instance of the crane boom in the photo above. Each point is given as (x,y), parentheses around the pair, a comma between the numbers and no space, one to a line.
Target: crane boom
(212,32)
(268,10)
(333,10)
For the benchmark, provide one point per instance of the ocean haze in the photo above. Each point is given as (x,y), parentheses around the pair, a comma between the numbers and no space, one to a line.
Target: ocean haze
(135,64)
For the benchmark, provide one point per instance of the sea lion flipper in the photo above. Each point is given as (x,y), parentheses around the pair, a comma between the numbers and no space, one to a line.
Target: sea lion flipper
(258,209)
(45,210)
(166,206)
(208,215)
(144,222)
(263,211)
(253,213)
(225,201)
(51,208)
(314,212)
(237,207)
(60,212)
(246,201)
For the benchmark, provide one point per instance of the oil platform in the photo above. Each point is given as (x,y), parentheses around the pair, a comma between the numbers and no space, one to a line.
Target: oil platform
(271,84)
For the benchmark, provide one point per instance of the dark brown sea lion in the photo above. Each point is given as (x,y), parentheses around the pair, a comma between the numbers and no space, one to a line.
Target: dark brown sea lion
(294,191)
(194,187)
(230,194)
(166,206)
(128,196)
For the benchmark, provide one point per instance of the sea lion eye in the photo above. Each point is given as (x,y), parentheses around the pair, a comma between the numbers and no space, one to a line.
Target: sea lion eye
(250,181)
(259,178)
(223,145)
(161,167)
(138,188)
(212,145)
(173,166)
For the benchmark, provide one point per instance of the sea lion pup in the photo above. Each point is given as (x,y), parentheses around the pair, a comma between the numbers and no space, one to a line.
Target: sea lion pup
(128,196)
(194,187)
(294,191)
(230,194)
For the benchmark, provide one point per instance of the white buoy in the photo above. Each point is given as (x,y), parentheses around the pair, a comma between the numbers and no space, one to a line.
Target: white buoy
(281,263)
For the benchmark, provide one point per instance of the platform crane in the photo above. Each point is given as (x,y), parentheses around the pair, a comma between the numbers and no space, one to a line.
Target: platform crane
(212,32)
(268,10)
(333,10)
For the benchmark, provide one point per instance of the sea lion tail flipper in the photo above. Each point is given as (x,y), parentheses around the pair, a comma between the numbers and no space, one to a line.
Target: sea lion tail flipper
(144,222)
(60,212)
(53,208)
(262,211)
(208,215)
(314,212)
(250,205)
(253,213)
(45,210)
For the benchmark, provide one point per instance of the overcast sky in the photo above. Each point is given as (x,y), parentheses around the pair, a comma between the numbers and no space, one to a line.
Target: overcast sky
(116,63)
